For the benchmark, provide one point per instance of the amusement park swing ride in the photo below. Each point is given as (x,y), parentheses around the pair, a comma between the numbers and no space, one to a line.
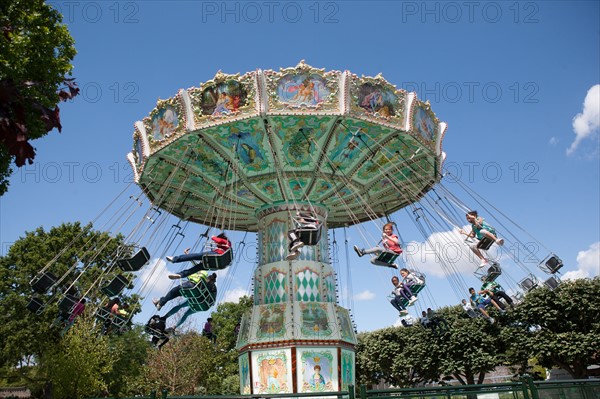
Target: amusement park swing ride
(248,153)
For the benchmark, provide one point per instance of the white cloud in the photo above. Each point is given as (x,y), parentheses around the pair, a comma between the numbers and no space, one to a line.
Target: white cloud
(154,276)
(588,121)
(553,141)
(443,252)
(574,275)
(364,296)
(588,263)
(234,295)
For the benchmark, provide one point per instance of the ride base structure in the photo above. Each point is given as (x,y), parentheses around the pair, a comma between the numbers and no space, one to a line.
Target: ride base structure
(297,338)
(246,153)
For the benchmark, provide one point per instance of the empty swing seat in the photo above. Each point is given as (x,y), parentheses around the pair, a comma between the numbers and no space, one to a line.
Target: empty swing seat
(492,272)
(552,283)
(136,262)
(551,264)
(485,243)
(213,261)
(115,287)
(36,305)
(43,282)
(199,298)
(528,283)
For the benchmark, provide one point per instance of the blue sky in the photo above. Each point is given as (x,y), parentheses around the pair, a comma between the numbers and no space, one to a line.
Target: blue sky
(517,83)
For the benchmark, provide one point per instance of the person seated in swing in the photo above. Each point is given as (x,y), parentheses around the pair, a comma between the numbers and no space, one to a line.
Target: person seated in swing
(157,327)
(390,243)
(222,244)
(468,308)
(114,310)
(480,302)
(479,230)
(397,300)
(78,309)
(409,279)
(424,319)
(212,288)
(305,221)
(192,281)
(495,291)
(207,330)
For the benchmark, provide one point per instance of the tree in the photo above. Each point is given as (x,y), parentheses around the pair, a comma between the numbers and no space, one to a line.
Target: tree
(130,352)
(223,373)
(179,366)
(36,51)
(80,255)
(462,347)
(399,356)
(225,319)
(559,328)
(193,364)
(472,347)
(79,364)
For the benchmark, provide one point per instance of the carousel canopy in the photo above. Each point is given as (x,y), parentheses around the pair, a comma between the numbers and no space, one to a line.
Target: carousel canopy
(219,153)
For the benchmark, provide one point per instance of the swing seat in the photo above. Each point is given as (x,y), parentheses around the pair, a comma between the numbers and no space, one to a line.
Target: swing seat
(104,315)
(136,262)
(552,283)
(36,305)
(199,298)
(157,328)
(528,283)
(43,282)
(66,305)
(485,243)
(551,264)
(387,257)
(217,261)
(115,287)
(492,272)
(417,288)
(309,236)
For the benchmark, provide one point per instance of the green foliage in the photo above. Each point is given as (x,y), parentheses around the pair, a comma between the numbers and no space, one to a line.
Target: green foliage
(79,364)
(225,319)
(180,366)
(472,347)
(462,347)
(221,377)
(67,250)
(130,351)
(559,328)
(231,385)
(399,356)
(192,364)
(36,47)
(36,51)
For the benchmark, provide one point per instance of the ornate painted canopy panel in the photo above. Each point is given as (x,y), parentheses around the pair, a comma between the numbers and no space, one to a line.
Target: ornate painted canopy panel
(222,151)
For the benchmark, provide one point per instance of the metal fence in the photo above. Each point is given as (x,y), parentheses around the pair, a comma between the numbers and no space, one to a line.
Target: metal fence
(525,388)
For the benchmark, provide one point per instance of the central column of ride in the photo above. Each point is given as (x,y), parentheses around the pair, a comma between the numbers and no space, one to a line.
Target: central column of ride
(297,338)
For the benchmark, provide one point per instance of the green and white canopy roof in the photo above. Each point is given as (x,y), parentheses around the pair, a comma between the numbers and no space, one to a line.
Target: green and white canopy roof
(218,153)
